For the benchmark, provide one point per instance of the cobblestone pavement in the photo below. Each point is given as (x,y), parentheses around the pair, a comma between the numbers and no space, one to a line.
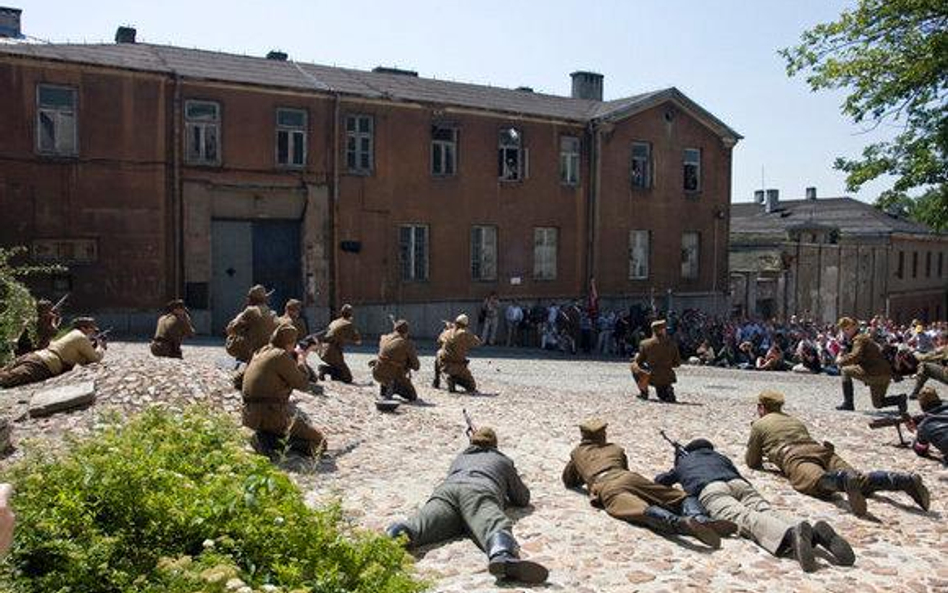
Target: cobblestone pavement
(383,466)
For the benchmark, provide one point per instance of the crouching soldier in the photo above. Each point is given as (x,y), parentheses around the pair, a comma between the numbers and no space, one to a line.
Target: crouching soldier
(932,428)
(471,500)
(396,360)
(273,373)
(655,364)
(455,342)
(173,327)
(628,496)
(79,346)
(720,488)
(252,328)
(814,468)
(340,332)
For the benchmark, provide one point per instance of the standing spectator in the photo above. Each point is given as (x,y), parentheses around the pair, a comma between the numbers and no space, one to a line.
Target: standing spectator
(491,312)
(606,324)
(514,318)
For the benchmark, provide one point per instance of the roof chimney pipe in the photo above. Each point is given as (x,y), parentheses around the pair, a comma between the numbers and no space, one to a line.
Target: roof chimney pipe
(773,200)
(811,193)
(125,35)
(587,85)
(277,55)
(759,197)
(10,22)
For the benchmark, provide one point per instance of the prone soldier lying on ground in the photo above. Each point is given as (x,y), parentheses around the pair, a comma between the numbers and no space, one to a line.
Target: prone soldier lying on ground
(173,327)
(83,345)
(815,468)
(932,428)
(396,360)
(454,343)
(932,365)
(471,500)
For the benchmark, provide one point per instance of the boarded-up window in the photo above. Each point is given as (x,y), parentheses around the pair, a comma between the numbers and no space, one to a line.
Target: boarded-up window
(56,120)
(413,251)
(690,254)
(544,253)
(638,254)
(202,123)
(484,252)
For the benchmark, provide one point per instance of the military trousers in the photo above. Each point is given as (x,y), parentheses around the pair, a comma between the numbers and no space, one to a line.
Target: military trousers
(29,368)
(456,509)
(625,495)
(338,371)
(804,464)
(930,370)
(739,502)
(878,384)
(459,373)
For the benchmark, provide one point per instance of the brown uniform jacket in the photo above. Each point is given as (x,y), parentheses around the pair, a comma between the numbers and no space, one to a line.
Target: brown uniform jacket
(299,323)
(589,460)
(456,342)
(939,354)
(339,333)
(250,331)
(271,376)
(769,435)
(397,355)
(169,334)
(68,351)
(662,356)
(867,354)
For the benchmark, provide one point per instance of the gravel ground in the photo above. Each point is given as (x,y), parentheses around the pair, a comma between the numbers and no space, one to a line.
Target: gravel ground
(383,466)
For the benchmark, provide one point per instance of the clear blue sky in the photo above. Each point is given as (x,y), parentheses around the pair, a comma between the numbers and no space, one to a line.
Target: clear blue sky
(722,54)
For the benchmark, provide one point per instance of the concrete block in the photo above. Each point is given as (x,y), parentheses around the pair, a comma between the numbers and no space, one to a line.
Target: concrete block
(60,399)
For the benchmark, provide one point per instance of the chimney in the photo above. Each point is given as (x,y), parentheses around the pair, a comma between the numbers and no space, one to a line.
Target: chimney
(773,199)
(524,89)
(10,22)
(277,55)
(125,35)
(397,71)
(587,85)
(759,197)
(811,193)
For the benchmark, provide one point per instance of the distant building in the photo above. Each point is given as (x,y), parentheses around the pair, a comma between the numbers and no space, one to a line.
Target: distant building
(157,171)
(827,257)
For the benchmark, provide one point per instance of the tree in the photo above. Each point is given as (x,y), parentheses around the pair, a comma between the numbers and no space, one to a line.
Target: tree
(892,57)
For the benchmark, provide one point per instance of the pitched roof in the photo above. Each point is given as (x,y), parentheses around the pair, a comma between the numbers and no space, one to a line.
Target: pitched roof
(850,216)
(208,65)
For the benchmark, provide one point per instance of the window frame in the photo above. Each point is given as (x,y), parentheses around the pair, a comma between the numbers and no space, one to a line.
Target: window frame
(571,159)
(538,274)
(502,171)
(648,253)
(73,112)
(480,276)
(291,131)
(900,268)
(452,144)
(216,123)
(915,264)
(357,136)
(698,175)
(649,178)
(696,274)
(413,277)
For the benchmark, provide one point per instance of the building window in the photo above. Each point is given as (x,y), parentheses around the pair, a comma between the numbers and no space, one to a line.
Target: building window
(484,252)
(914,264)
(692,169)
(941,260)
(202,123)
(900,271)
(359,143)
(638,254)
(569,160)
(56,120)
(641,165)
(444,150)
(413,251)
(291,137)
(690,254)
(928,264)
(510,155)
(544,253)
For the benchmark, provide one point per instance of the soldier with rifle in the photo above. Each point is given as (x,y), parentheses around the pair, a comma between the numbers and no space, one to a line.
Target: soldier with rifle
(81,346)
(481,482)
(173,327)
(655,362)
(932,365)
(252,328)
(454,343)
(931,428)
(341,331)
(396,360)
(48,318)
(711,479)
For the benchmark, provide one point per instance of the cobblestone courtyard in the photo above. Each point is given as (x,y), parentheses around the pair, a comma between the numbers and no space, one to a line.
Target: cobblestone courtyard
(382,466)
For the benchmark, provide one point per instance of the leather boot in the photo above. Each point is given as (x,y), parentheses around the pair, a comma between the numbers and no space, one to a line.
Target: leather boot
(848,482)
(324,369)
(800,541)
(398,529)
(503,560)
(848,394)
(896,400)
(692,508)
(436,382)
(664,521)
(911,484)
(841,551)
(452,386)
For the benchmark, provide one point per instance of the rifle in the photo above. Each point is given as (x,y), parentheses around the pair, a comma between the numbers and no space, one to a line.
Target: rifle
(60,303)
(311,340)
(897,422)
(470,425)
(101,337)
(679,450)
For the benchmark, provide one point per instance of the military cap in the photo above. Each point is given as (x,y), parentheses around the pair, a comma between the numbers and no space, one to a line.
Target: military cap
(84,322)
(592,426)
(698,444)
(44,305)
(294,304)
(928,399)
(845,322)
(484,437)
(346,310)
(174,304)
(284,335)
(258,292)
(771,400)
(461,320)
(658,323)
(401,326)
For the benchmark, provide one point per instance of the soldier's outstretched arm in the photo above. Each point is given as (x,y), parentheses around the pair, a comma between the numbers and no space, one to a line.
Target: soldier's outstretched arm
(517,492)
(668,478)
(754,456)
(571,477)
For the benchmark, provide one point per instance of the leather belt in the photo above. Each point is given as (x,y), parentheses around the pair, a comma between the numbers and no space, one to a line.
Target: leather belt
(600,475)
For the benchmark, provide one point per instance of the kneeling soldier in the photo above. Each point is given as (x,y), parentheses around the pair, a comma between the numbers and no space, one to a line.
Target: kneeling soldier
(604,469)
(660,354)
(455,342)
(396,360)
(932,427)
(340,332)
(173,327)
(79,346)
(273,373)
(866,363)
(471,499)
(815,468)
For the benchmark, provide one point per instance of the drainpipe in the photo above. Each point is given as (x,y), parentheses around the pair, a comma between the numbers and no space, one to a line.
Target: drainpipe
(176,190)
(592,208)
(333,212)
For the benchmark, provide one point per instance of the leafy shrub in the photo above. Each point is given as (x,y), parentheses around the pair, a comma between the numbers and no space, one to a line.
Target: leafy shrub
(16,304)
(174,503)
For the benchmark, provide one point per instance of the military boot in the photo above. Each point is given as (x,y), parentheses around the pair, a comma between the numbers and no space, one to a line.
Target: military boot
(436,382)
(848,482)
(911,484)
(799,543)
(693,509)
(452,386)
(324,369)
(665,521)
(503,560)
(666,393)
(896,400)
(848,395)
(398,529)
(841,551)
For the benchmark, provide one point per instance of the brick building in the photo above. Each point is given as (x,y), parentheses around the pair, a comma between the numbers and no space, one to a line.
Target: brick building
(156,171)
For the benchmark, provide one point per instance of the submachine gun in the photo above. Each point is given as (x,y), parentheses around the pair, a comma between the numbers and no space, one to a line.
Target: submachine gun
(470,430)
(679,450)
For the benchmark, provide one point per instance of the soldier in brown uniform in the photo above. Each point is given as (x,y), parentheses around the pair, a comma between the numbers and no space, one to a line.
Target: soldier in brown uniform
(339,333)
(397,358)
(293,315)
(933,364)
(76,347)
(660,354)
(815,468)
(866,363)
(455,342)
(173,327)
(273,373)
(626,495)
(252,328)
(47,326)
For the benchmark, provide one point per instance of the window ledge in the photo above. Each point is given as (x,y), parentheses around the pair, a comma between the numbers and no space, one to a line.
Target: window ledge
(202,165)
(58,156)
(693,193)
(359,173)
(282,167)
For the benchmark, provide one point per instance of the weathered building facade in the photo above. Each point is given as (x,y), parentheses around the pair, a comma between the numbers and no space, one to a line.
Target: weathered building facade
(156,171)
(823,258)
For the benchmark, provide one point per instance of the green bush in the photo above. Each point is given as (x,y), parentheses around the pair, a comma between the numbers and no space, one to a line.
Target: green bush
(174,503)
(17,307)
